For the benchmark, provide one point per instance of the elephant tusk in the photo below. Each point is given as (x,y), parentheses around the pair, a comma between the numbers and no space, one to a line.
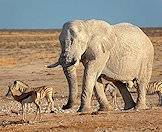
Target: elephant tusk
(52,65)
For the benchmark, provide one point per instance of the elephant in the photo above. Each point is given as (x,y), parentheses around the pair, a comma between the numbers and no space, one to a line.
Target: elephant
(118,53)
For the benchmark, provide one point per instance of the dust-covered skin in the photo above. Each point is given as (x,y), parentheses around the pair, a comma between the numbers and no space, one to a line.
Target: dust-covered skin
(120,52)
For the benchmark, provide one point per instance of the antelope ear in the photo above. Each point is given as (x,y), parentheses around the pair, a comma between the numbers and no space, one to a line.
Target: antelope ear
(15,82)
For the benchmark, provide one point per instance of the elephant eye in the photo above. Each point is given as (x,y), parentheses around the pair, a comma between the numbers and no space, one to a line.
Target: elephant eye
(62,42)
(71,39)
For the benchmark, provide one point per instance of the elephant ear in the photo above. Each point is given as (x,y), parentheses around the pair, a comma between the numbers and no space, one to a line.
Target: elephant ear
(107,41)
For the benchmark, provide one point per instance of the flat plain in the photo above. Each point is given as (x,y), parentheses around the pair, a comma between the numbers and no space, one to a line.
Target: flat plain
(23,55)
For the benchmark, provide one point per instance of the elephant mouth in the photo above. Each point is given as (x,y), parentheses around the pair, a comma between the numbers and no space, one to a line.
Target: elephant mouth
(68,64)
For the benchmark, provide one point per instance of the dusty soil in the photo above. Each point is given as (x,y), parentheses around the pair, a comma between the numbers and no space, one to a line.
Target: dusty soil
(23,54)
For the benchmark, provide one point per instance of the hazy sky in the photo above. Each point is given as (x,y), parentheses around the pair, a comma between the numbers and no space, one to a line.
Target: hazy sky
(53,13)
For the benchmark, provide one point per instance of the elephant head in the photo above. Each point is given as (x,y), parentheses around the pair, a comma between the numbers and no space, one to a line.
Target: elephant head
(73,44)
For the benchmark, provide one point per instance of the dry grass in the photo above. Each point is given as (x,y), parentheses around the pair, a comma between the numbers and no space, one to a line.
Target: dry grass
(23,54)
(7,61)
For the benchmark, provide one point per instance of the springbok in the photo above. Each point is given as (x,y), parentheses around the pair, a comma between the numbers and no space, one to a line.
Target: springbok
(22,93)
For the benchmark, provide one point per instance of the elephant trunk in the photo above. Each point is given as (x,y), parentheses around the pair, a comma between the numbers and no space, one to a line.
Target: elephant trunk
(69,68)
(71,77)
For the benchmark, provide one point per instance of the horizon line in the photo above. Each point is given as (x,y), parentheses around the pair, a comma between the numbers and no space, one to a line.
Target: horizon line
(61,28)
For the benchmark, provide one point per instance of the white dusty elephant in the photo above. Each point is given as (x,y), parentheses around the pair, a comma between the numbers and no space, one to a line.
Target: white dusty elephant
(118,53)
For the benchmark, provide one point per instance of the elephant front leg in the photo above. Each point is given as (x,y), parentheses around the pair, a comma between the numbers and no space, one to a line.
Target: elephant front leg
(73,87)
(89,79)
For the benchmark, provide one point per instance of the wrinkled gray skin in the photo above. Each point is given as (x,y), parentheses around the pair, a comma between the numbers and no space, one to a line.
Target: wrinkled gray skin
(118,52)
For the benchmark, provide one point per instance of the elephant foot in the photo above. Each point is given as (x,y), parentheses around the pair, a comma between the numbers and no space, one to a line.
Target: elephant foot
(129,105)
(141,107)
(52,111)
(105,108)
(99,112)
(67,106)
(85,110)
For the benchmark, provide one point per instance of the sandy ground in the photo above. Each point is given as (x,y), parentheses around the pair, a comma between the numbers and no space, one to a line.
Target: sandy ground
(23,55)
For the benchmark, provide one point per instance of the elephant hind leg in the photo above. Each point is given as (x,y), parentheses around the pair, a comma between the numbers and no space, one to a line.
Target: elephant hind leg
(144,78)
(101,96)
(141,99)
(128,100)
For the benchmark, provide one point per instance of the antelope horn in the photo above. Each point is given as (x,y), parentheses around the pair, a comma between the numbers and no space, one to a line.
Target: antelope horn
(8,92)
